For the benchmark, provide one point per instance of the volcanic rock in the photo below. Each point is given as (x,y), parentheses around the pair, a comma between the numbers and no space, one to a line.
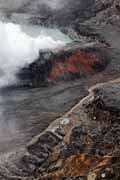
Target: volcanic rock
(85,142)
(71,62)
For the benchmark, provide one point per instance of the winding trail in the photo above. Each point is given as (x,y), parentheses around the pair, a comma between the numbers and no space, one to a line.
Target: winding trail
(78,107)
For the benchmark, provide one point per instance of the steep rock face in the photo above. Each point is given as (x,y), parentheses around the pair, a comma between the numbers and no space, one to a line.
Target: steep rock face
(70,63)
(106,12)
(83,144)
(91,150)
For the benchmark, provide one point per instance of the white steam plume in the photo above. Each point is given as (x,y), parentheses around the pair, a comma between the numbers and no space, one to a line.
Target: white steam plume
(18,49)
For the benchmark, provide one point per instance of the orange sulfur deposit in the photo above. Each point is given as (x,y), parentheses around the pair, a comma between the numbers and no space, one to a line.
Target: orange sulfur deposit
(80,63)
(80,165)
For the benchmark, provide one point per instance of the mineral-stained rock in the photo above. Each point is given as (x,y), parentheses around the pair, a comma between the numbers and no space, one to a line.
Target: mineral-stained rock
(93,149)
(71,62)
(83,144)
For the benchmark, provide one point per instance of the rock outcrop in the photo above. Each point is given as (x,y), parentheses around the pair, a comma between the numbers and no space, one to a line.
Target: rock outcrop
(83,144)
(72,62)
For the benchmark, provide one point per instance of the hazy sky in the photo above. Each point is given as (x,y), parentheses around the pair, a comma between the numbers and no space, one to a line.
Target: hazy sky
(18,3)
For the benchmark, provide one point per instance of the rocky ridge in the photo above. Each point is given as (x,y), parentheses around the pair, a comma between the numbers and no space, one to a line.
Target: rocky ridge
(83,144)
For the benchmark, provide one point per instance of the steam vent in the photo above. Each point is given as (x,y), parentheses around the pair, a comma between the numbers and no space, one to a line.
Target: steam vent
(60,90)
